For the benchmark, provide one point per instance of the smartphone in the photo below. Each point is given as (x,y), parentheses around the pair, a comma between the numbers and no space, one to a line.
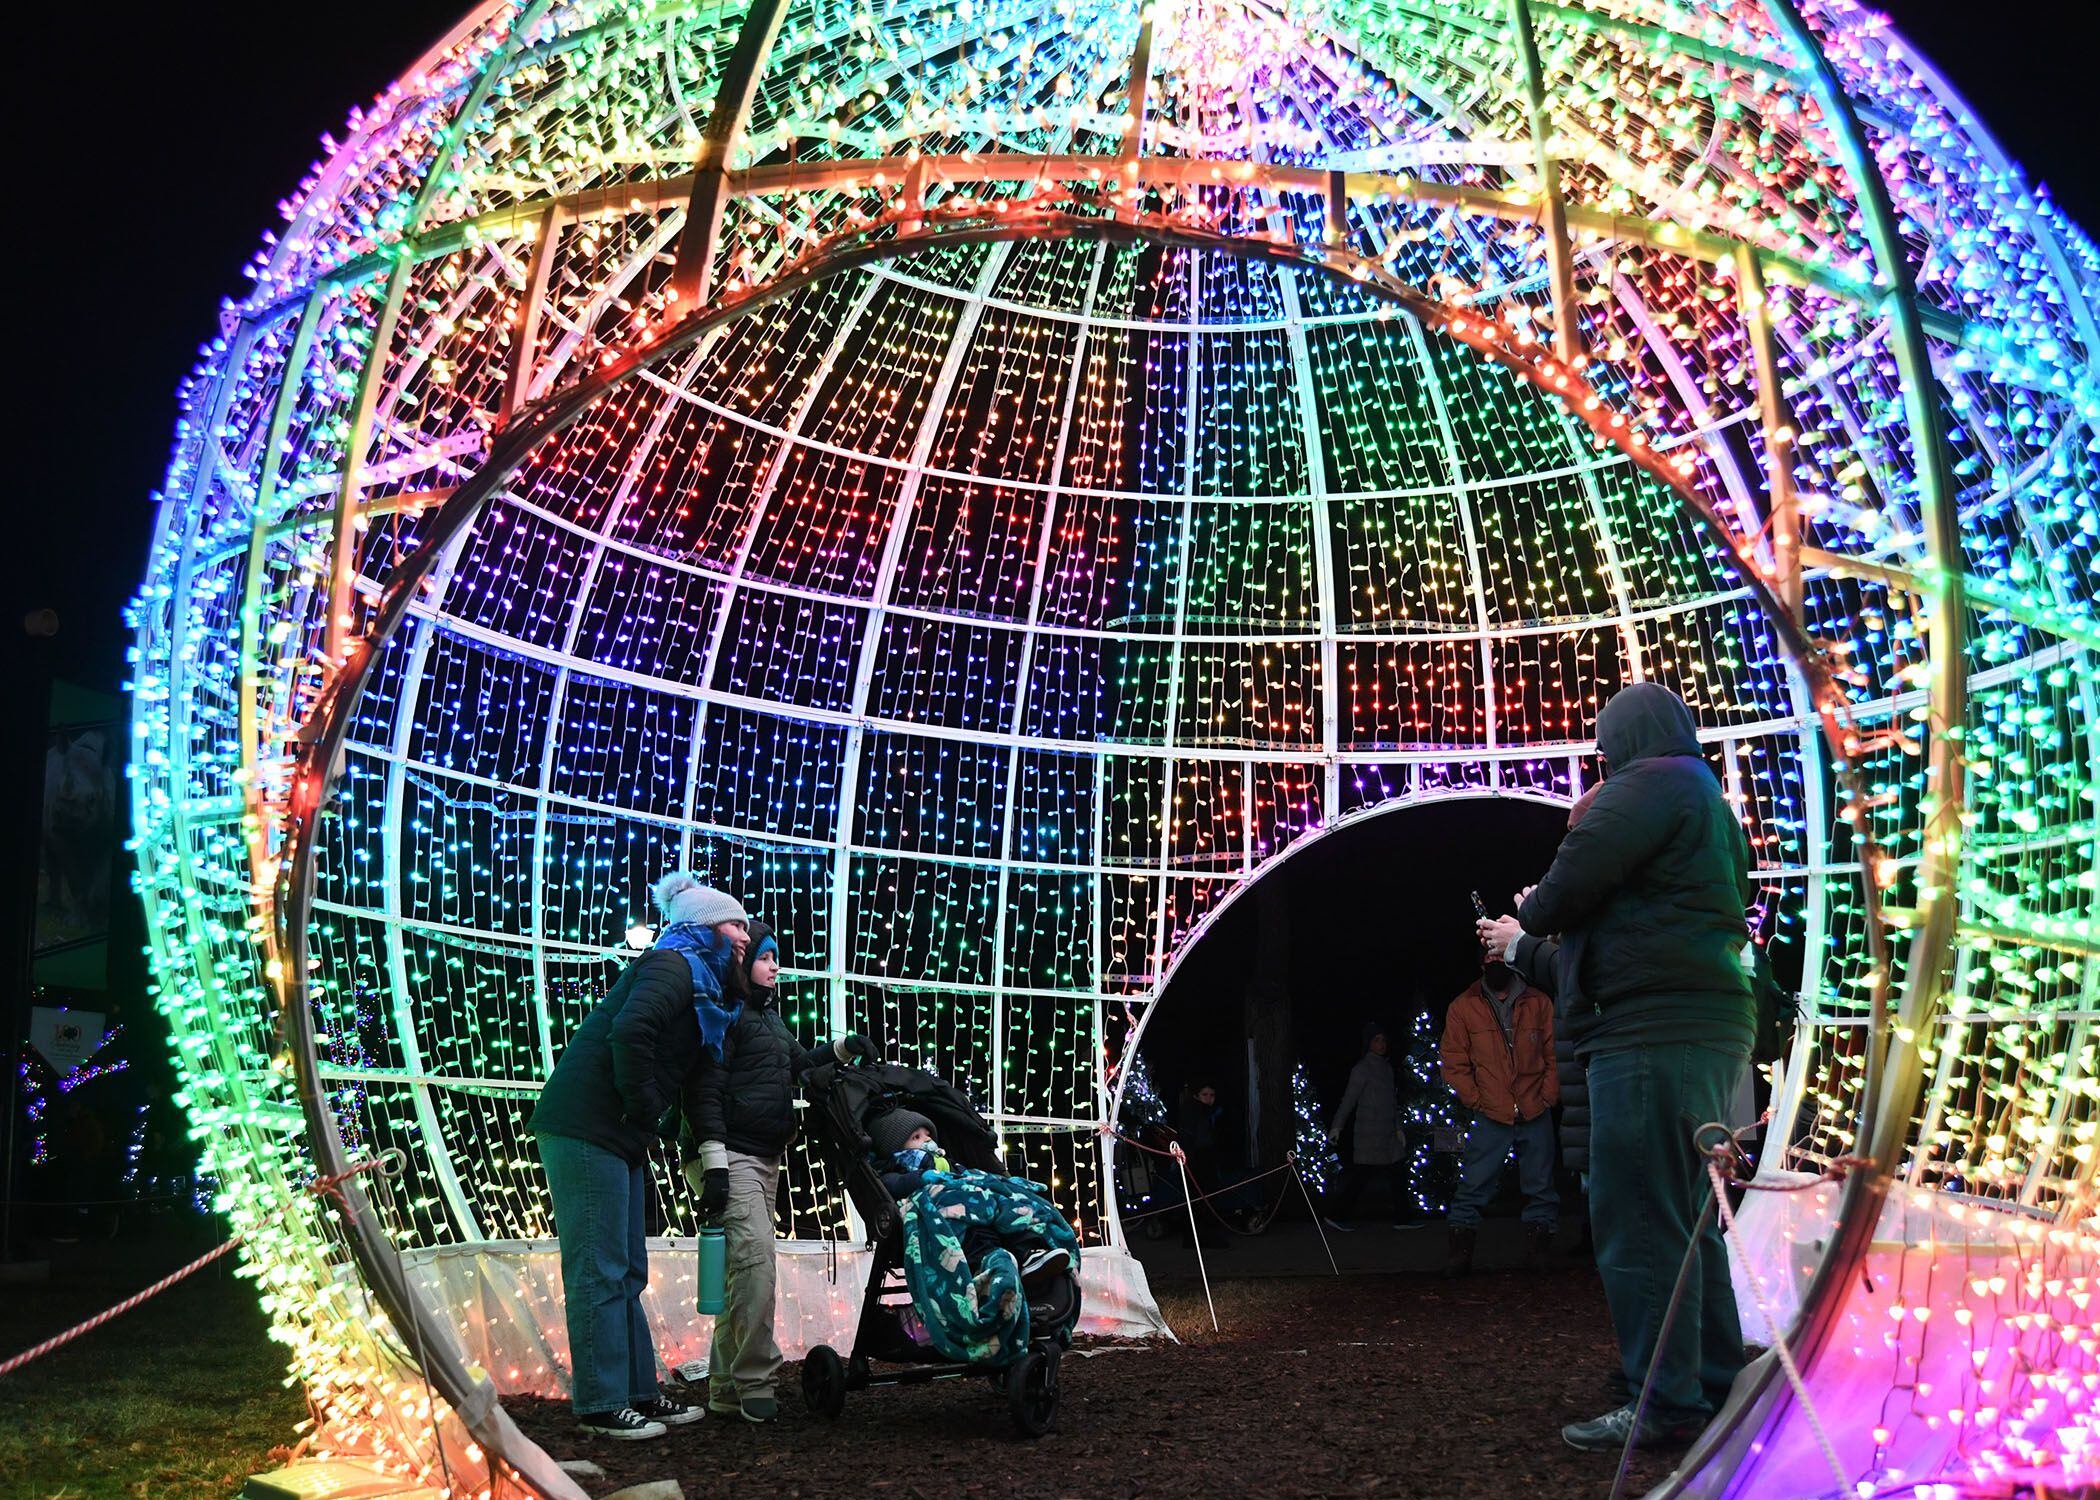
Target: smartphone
(1479,909)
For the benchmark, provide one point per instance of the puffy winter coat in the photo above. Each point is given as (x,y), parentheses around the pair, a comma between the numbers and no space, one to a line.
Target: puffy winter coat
(1373,1103)
(1574,1105)
(1505,1076)
(1196,1123)
(1648,890)
(746,1098)
(617,1082)
(1539,961)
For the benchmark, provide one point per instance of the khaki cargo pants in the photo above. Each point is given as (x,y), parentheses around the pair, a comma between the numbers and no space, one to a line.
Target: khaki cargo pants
(743,1360)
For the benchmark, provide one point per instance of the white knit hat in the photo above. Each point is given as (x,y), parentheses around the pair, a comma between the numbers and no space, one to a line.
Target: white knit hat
(683,897)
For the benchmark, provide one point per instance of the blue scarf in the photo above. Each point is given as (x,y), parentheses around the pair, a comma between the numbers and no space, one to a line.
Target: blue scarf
(708,954)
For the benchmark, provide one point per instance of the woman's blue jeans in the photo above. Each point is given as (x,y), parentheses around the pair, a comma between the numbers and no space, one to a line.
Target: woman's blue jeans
(1648,1186)
(600,1215)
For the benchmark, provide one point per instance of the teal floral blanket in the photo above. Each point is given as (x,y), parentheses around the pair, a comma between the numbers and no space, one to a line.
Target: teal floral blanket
(976,1314)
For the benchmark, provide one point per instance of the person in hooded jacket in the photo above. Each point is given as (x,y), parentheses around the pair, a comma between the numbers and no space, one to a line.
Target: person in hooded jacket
(1378,1144)
(613,1093)
(1648,893)
(739,1103)
(1497,1056)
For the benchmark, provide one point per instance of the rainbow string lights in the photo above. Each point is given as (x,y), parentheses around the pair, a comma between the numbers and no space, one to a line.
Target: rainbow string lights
(985,479)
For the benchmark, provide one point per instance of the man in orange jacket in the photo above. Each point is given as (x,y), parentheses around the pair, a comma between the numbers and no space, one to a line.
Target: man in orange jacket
(1497,1056)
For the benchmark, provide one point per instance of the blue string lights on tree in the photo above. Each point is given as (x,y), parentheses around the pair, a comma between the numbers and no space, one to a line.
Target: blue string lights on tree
(1144,1118)
(1318,1161)
(1428,1108)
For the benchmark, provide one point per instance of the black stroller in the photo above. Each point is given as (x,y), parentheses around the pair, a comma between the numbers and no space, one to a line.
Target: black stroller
(842,1097)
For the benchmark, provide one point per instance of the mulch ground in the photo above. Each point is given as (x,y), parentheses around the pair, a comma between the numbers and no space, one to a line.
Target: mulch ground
(1397,1385)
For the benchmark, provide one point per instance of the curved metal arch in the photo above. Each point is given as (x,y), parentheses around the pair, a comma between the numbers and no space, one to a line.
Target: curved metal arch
(1248,879)
(316,765)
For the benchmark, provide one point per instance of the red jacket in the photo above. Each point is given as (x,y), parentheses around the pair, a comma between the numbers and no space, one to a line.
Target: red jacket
(1504,1077)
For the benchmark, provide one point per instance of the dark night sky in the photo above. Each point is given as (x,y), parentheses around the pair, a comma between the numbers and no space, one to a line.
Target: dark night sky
(152,177)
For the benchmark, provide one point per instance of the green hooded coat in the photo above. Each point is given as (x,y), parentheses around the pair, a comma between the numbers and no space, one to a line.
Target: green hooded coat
(1648,891)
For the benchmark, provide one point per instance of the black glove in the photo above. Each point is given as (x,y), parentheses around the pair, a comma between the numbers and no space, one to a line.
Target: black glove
(854,1045)
(714,1193)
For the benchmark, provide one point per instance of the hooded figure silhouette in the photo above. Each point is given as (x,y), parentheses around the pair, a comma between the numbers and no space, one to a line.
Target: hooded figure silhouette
(1648,891)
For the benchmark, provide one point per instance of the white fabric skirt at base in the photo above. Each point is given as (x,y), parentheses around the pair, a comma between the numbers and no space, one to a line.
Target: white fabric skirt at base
(504,1298)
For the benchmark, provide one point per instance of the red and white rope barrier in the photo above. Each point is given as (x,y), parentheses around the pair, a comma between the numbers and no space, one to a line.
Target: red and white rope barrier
(35,1351)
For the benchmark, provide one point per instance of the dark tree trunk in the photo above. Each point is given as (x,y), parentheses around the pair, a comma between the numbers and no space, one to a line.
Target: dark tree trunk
(1266,1008)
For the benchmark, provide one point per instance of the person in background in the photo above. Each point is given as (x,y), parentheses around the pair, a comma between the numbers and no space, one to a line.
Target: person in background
(1196,1117)
(1648,893)
(1539,961)
(740,1112)
(1378,1145)
(1497,1056)
(613,1092)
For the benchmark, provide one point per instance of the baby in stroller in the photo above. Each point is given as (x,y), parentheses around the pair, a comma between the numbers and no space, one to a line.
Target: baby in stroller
(905,1152)
(952,1236)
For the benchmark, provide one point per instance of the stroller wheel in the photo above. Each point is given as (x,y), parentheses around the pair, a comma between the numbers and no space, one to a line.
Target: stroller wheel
(824,1382)
(1031,1391)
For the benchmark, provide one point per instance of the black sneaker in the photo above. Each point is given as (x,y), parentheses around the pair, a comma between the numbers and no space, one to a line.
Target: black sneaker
(1043,1266)
(625,1425)
(752,1408)
(669,1410)
(1608,1433)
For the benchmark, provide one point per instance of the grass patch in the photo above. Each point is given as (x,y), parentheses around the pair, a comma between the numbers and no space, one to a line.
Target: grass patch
(181,1398)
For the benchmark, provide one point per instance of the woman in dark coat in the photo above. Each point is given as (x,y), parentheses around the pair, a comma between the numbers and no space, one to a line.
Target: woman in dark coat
(612,1094)
(1196,1124)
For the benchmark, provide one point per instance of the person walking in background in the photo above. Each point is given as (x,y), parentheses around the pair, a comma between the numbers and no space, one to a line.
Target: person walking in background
(1648,892)
(1497,1056)
(1196,1117)
(1378,1145)
(613,1093)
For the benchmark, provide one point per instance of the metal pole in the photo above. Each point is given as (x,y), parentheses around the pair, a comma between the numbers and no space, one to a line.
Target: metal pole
(1188,1201)
(1884,1128)
(1559,264)
(1780,507)
(692,275)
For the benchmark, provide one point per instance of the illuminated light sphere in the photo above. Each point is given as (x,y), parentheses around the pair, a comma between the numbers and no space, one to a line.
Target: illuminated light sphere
(983,481)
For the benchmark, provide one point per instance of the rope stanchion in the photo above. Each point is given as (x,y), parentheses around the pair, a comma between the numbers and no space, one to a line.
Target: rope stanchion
(1723,1150)
(1290,1159)
(1181,1161)
(388,1164)
(1209,1199)
(1260,1221)
(57,1341)
(1779,1345)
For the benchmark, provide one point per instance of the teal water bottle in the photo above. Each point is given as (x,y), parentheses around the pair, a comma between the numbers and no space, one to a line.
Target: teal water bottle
(714,1264)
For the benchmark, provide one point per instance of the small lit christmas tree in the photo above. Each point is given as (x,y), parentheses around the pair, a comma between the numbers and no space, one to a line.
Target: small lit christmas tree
(1142,1107)
(1317,1161)
(1142,1117)
(1427,1107)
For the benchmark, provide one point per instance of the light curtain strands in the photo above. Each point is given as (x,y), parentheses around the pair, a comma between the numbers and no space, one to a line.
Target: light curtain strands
(1213,552)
